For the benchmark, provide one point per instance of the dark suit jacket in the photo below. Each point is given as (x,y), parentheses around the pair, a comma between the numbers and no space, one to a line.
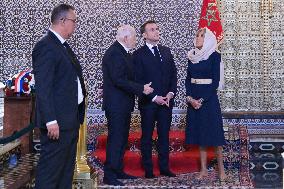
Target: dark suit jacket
(118,75)
(56,84)
(163,75)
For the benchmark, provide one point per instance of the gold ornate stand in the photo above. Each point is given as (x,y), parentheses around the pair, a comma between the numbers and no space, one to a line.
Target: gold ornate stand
(82,174)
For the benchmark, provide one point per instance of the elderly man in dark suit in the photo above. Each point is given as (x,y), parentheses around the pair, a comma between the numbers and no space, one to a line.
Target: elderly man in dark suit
(155,63)
(118,101)
(60,101)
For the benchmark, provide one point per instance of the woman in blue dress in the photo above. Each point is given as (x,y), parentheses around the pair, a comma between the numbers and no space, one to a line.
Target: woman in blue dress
(204,119)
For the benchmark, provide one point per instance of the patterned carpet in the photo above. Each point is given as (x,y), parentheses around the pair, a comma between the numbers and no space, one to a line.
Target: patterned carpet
(236,160)
(21,175)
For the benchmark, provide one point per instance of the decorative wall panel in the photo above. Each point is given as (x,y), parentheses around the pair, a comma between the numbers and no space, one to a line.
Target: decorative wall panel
(252,49)
(24,22)
(253,55)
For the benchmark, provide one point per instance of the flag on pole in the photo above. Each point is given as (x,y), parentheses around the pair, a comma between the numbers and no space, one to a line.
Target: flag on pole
(210,18)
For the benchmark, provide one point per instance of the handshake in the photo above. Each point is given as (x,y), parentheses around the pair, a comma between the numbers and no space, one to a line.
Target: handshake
(147,89)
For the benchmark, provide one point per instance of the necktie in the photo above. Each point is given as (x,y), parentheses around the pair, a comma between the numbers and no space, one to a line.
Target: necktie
(76,65)
(70,52)
(156,53)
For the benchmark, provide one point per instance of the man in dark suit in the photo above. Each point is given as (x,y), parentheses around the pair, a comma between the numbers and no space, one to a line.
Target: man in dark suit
(155,63)
(60,101)
(118,101)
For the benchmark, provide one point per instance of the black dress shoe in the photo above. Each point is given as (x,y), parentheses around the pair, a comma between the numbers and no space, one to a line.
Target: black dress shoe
(150,175)
(167,173)
(112,181)
(123,175)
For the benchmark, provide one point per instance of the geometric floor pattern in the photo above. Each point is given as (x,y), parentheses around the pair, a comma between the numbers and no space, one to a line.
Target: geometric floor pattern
(252,169)
(236,161)
(189,181)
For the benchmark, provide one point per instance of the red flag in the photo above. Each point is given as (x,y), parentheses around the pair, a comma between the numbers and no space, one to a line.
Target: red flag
(210,18)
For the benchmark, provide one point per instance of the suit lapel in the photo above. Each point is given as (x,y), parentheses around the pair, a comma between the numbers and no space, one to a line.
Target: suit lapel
(120,47)
(64,51)
(76,65)
(163,62)
(162,52)
(123,51)
(149,53)
(58,44)
(128,59)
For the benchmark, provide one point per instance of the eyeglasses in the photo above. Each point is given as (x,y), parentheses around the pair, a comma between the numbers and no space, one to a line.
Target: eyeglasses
(73,20)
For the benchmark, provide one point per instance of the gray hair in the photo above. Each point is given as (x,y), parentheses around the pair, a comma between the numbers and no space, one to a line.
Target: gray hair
(123,31)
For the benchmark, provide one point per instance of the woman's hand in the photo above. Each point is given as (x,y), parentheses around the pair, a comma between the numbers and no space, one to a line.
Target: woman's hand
(196,104)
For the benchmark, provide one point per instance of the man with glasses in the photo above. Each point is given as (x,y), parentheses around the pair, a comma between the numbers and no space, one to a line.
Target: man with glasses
(60,101)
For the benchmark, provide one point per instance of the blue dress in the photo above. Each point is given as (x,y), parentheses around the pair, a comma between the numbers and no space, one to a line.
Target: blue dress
(205,125)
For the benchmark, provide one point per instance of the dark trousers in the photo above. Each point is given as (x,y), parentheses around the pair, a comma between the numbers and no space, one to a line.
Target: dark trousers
(57,160)
(118,132)
(163,116)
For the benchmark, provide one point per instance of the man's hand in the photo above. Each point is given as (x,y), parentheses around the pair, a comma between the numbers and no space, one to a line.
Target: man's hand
(148,89)
(161,100)
(169,97)
(100,93)
(53,131)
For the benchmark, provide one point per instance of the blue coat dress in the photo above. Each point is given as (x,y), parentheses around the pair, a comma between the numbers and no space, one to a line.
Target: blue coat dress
(205,125)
